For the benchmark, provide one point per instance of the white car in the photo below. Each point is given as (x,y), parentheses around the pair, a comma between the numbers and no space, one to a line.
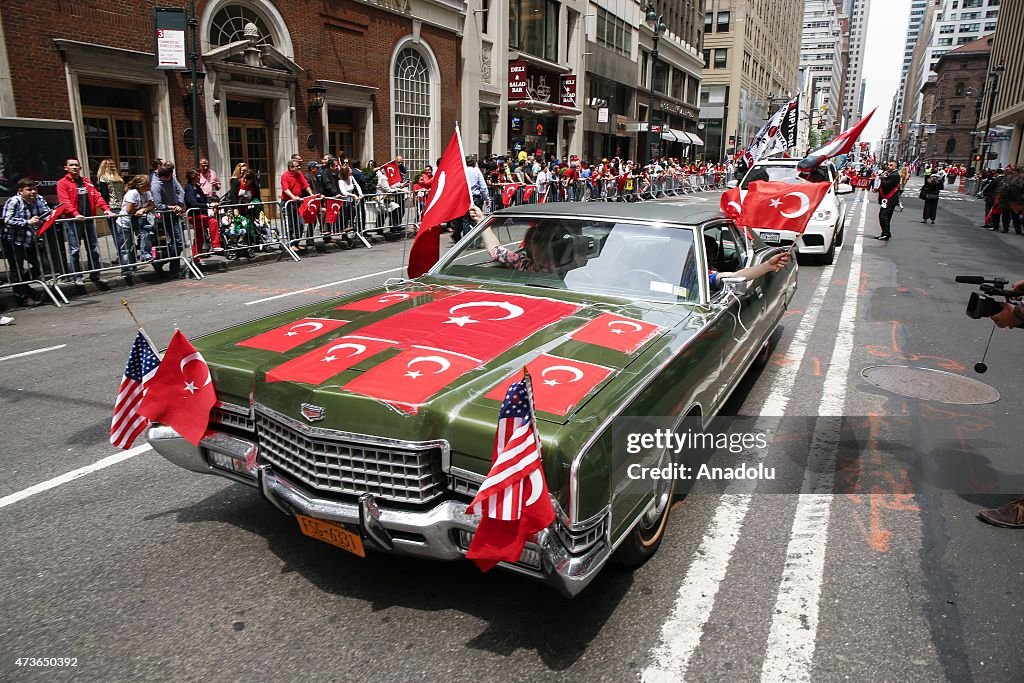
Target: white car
(825,230)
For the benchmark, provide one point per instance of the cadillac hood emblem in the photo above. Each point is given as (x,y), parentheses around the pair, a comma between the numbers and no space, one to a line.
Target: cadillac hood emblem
(313,413)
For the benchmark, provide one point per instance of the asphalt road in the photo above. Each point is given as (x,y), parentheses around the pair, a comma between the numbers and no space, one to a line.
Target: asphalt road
(143,571)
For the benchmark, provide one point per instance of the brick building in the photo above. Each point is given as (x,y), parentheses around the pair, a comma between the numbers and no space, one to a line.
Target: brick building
(952,102)
(385,69)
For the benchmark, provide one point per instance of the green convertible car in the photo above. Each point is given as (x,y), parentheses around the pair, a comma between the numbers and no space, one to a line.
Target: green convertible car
(371,418)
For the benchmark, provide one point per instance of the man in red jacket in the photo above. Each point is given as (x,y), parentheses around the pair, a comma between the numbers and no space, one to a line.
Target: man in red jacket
(81,201)
(294,187)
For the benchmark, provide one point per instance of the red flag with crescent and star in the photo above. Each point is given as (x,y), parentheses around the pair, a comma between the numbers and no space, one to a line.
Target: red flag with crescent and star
(479,324)
(782,206)
(292,335)
(55,215)
(407,380)
(561,383)
(841,144)
(616,332)
(448,200)
(380,302)
(513,501)
(732,203)
(180,394)
(392,173)
(320,364)
(508,193)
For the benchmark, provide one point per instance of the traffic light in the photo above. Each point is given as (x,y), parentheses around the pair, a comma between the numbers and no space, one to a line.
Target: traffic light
(977,157)
(821,123)
(901,126)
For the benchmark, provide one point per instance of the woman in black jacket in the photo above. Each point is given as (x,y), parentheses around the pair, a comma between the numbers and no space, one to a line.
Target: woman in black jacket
(930,194)
(198,206)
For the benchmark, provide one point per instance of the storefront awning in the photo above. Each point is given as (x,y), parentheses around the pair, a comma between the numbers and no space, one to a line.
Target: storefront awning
(673,135)
(694,140)
(544,107)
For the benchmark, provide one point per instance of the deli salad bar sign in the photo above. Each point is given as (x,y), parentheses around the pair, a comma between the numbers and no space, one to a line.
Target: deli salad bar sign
(518,79)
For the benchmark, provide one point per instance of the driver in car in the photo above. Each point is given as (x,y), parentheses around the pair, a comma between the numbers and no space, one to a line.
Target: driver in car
(772,265)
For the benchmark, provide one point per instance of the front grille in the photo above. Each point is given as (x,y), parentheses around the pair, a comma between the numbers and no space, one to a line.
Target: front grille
(405,475)
(232,419)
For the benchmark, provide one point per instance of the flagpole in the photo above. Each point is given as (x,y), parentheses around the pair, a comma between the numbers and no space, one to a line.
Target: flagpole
(124,302)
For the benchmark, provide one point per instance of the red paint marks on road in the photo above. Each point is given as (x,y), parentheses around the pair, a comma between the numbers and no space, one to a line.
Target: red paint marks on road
(895,342)
(817,366)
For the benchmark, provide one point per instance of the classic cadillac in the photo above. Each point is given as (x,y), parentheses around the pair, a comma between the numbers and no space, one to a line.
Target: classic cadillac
(371,418)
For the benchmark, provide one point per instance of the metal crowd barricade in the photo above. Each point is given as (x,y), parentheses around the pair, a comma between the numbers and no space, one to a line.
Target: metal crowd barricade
(37,263)
(155,238)
(244,229)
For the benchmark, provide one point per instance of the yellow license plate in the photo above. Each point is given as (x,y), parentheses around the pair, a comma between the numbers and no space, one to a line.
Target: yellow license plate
(333,533)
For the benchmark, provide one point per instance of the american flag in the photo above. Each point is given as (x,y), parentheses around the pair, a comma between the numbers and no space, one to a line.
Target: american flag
(516,459)
(142,364)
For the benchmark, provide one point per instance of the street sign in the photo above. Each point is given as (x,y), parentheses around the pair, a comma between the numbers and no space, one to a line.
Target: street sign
(170,38)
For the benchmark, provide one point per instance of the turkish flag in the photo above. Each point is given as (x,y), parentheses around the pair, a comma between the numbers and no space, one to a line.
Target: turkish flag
(319,365)
(508,193)
(528,192)
(393,173)
(181,393)
(54,216)
(309,209)
(410,378)
(478,324)
(333,210)
(380,302)
(732,203)
(448,200)
(616,332)
(291,335)
(559,383)
(841,144)
(782,206)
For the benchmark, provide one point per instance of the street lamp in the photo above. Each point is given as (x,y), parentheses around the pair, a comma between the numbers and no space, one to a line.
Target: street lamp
(659,26)
(993,91)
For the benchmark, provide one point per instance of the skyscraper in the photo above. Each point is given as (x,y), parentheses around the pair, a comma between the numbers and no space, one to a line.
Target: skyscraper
(853,101)
(918,10)
(821,59)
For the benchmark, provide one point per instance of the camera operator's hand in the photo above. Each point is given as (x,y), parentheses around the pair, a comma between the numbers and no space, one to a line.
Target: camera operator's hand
(1006,317)
(1017,287)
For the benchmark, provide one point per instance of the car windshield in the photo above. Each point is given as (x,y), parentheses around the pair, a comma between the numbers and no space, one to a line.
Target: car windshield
(784,173)
(614,258)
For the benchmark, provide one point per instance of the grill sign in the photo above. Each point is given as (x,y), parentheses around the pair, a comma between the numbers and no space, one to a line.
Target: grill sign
(313,413)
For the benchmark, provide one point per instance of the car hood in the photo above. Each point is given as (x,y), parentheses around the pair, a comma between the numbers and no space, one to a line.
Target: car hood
(420,359)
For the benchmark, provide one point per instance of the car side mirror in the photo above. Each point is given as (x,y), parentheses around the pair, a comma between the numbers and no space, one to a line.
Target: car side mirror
(737,285)
(844,188)
(732,183)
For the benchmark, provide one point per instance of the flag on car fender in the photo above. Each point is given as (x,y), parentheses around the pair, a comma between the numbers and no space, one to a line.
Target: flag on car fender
(448,200)
(181,393)
(513,502)
(781,206)
(142,365)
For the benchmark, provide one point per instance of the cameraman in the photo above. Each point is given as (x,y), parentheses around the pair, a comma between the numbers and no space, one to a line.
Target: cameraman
(1011,196)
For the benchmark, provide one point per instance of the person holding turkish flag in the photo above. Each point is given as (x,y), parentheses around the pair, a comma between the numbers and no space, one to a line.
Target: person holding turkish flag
(180,394)
(448,201)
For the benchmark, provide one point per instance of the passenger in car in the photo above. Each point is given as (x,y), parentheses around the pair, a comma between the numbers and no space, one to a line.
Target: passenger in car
(547,248)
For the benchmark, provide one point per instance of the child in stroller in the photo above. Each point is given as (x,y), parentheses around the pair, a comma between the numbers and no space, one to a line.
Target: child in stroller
(242,233)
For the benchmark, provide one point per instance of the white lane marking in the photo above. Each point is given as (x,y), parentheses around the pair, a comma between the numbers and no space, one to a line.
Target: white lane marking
(682,632)
(32,353)
(73,474)
(789,653)
(329,284)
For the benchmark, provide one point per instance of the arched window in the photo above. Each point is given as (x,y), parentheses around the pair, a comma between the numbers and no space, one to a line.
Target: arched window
(960,89)
(228,26)
(950,145)
(412,116)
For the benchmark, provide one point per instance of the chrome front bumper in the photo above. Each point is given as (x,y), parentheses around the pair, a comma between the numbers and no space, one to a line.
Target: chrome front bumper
(431,533)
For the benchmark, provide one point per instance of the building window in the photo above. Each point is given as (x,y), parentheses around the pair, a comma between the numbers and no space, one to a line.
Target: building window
(707,59)
(723,22)
(114,118)
(721,57)
(960,89)
(950,145)
(709,20)
(955,117)
(412,108)
(228,26)
(533,27)
(614,33)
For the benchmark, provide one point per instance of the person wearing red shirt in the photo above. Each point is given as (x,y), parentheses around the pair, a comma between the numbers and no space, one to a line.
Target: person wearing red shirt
(81,200)
(294,186)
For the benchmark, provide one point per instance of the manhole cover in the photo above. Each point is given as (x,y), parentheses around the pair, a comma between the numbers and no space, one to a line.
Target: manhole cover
(931,385)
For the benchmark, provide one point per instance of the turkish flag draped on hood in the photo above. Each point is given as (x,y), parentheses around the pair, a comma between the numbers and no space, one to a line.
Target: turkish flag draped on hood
(781,206)
(448,199)
(616,332)
(181,394)
(292,335)
(319,365)
(561,383)
(841,144)
(407,380)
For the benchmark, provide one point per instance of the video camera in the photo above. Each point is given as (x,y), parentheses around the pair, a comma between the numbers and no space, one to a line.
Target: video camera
(983,305)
